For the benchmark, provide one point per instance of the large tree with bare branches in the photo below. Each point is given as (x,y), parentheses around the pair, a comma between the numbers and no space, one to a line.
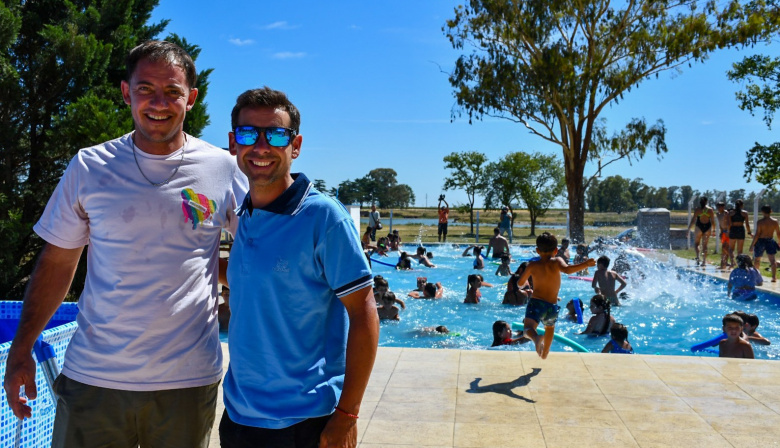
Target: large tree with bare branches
(554,66)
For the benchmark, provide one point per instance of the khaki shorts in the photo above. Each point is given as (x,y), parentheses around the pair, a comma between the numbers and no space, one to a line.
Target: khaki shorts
(90,416)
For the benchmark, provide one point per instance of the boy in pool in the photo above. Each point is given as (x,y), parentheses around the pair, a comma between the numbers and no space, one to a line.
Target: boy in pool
(504,268)
(422,258)
(387,309)
(543,307)
(604,281)
(751,323)
(429,291)
(734,346)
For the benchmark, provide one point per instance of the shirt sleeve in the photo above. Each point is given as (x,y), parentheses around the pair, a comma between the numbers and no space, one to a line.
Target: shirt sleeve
(64,222)
(344,263)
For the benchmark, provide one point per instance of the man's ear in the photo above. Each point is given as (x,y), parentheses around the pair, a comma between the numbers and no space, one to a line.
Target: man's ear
(232,144)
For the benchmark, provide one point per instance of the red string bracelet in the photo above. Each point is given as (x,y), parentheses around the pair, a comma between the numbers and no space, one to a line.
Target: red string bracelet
(347,413)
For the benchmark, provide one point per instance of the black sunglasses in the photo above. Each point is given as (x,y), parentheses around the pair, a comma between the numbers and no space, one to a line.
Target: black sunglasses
(274,136)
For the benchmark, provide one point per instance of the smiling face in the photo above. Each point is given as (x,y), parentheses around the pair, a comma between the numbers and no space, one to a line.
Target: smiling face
(159,97)
(267,167)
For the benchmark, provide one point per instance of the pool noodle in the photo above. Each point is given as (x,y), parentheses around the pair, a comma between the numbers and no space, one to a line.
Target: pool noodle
(711,343)
(562,339)
(382,262)
(577,277)
(578,309)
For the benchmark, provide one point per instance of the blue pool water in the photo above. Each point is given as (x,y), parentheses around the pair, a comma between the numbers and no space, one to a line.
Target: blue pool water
(668,312)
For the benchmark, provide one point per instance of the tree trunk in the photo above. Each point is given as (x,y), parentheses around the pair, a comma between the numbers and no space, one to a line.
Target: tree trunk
(576,191)
(471,217)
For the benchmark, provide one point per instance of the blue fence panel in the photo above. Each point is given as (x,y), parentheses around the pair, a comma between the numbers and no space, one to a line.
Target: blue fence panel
(36,431)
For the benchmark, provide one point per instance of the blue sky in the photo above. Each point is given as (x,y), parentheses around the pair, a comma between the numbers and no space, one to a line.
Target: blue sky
(369,79)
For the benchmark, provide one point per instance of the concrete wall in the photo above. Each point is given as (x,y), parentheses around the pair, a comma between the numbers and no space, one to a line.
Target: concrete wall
(653,226)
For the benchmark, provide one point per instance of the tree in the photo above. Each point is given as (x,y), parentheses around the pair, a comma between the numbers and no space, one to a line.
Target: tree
(535,179)
(542,182)
(554,66)
(760,76)
(60,68)
(614,195)
(319,184)
(400,195)
(686,194)
(467,173)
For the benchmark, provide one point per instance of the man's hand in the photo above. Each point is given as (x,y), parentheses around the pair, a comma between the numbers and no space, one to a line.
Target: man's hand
(20,371)
(340,432)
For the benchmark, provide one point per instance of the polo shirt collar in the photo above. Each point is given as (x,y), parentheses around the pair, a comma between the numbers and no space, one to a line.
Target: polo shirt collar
(288,203)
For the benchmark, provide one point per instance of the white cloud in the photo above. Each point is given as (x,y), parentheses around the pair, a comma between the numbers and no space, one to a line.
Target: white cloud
(282,25)
(241,42)
(289,55)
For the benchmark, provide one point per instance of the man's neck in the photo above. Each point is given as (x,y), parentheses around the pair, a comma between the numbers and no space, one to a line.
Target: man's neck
(263,195)
(159,148)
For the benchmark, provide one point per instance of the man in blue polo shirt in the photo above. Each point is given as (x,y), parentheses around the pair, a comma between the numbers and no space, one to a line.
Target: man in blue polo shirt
(304,326)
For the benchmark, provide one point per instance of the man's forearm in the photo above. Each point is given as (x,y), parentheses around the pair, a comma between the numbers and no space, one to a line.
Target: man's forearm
(45,292)
(362,342)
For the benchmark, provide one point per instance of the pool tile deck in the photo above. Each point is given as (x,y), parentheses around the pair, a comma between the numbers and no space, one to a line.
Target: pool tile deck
(469,398)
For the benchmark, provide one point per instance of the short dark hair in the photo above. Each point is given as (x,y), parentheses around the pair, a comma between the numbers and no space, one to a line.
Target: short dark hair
(496,231)
(603,260)
(565,241)
(766,209)
(546,242)
(161,50)
(752,319)
(733,318)
(266,97)
(430,289)
(619,332)
(380,281)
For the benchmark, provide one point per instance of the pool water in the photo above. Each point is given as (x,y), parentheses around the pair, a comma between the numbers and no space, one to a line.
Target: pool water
(667,312)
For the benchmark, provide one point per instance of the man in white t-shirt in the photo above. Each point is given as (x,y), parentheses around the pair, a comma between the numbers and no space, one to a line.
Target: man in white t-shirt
(145,362)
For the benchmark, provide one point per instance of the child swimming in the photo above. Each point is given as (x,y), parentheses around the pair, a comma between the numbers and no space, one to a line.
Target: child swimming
(504,268)
(619,342)
(734,346)
(572,311)
(602,319)
(518,294)
(475,281)
(502,334)
(543,307)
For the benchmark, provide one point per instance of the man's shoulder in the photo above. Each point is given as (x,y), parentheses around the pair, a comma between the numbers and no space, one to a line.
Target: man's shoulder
(319,205)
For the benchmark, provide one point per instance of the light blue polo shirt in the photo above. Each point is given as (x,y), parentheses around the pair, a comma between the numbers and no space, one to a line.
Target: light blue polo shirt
(290,263)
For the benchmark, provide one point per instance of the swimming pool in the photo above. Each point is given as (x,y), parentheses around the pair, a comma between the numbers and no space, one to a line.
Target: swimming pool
(667,312)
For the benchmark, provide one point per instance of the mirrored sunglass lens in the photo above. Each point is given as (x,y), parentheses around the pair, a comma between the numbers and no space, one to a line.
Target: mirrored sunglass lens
(246,135)
(277,136)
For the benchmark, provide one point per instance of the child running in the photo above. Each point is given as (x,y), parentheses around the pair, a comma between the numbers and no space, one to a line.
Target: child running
(543,307)
(619,342)
(734,346)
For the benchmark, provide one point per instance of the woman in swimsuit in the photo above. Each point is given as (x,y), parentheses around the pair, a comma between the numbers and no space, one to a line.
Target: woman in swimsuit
(738,221)
(702,216)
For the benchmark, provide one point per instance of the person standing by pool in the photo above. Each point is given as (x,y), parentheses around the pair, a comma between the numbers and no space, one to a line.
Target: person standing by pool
(373,221)
(737,222)
(604,281)
(145,361)
(304,330)
(763,241)
(444,215)
(499,244)
(702,217)
(505,222)
(543,307)
(726,255)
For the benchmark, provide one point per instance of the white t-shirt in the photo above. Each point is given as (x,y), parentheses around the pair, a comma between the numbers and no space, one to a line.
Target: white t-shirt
(148,313)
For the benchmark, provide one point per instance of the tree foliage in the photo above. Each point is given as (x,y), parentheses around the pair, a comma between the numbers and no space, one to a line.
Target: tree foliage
(61,64)
(535,180)
(760,76)
(379,187)
(554,66)
(467,173)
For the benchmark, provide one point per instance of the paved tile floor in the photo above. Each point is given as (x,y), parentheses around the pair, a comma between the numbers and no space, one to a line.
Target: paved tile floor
(470,398)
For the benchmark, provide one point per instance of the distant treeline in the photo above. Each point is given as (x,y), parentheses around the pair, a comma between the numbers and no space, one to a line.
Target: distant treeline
(618,194)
